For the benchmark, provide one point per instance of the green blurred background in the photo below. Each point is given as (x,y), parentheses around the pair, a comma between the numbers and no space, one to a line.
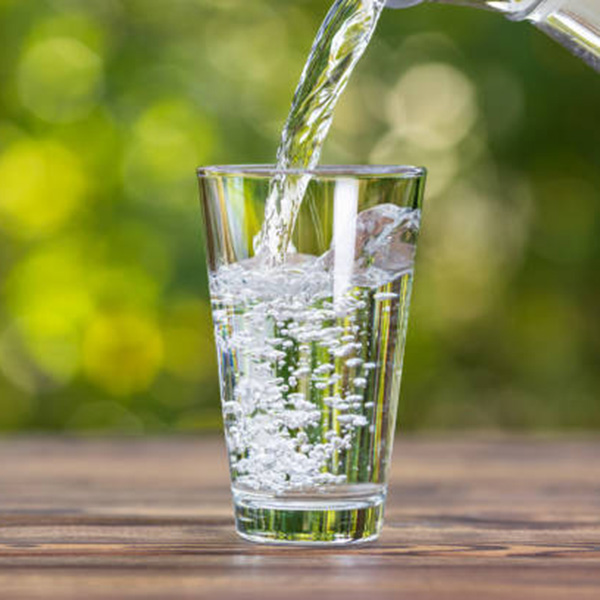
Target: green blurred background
(107,107)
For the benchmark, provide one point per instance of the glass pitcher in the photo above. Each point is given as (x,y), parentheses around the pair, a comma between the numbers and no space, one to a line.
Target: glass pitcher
(573,23)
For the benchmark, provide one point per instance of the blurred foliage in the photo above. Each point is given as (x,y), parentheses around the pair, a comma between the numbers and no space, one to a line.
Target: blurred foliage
(106,108)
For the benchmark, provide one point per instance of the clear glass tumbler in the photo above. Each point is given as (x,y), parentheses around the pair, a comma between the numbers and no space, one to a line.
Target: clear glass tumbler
(310,351)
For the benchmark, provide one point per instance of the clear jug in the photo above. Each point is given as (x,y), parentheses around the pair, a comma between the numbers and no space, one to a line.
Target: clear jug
(573,23)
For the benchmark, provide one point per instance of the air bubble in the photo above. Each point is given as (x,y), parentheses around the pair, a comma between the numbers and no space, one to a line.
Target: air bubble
(385,296)
(354,362)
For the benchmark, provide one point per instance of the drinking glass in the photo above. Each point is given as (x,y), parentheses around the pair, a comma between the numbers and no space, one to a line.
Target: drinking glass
(310,346)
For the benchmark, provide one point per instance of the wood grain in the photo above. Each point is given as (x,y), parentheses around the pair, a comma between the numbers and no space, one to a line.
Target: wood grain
(476,519)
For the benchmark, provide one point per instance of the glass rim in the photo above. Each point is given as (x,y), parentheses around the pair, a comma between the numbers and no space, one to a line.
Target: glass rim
(321,172)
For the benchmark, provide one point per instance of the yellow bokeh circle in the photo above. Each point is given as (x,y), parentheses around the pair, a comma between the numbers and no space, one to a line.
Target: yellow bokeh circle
(42,185)
(122,352)
(60,79)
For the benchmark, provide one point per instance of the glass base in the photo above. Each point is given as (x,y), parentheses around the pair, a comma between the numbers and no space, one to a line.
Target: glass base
(310,520)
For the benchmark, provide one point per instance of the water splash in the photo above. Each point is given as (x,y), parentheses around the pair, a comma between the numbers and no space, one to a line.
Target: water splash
(339,45)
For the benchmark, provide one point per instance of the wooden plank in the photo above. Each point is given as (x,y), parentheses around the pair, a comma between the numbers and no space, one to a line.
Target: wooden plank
(501,518)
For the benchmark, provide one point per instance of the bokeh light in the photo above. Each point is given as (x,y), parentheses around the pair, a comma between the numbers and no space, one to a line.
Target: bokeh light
(42,186)
(122,352)
(49,299)
(168,141)
(433,105)
(60,79)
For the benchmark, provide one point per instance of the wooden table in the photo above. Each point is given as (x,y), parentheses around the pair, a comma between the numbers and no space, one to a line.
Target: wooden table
(477,519)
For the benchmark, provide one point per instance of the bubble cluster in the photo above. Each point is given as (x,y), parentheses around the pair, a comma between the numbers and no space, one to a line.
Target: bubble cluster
(308,371)
(297,371)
